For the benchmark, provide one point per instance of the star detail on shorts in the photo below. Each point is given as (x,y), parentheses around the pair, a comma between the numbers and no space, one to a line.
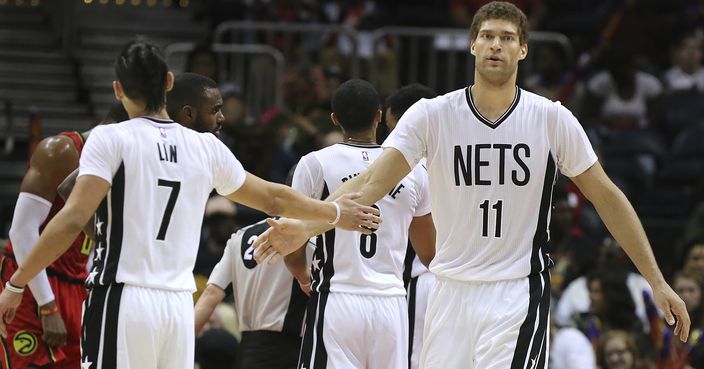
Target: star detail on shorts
(91,278)
(85,364)
(316,264)
(99,251)
(98,226)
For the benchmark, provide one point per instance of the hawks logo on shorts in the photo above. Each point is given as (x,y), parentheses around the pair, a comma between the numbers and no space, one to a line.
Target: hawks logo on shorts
(24,343)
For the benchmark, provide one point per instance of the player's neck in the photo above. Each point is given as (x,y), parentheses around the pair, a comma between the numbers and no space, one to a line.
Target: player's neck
(368,138)
(493,99)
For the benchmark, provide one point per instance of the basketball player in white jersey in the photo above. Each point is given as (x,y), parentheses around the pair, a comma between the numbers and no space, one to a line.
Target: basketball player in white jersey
(357,313)
(269,303)
(420,279)
(149,179)
(493,151)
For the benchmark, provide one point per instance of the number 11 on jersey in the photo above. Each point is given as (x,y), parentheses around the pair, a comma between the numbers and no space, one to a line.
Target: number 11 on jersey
(497,207)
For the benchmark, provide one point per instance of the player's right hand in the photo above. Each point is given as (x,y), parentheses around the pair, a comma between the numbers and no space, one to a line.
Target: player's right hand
(53,330)
(356,217)
(9,301)
(283,237)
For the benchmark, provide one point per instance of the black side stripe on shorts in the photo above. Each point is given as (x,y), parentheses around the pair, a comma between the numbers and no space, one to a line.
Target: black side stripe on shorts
(116,206)
(532,338)
(313,352)
(99,345)
(412,291)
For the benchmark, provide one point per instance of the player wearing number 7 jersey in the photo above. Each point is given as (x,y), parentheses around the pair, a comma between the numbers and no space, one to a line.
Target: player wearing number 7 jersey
(149,179)
(357,315)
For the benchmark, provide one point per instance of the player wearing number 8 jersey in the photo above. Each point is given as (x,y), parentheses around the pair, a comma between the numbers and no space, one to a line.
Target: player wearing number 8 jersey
(357,315)
(149,179)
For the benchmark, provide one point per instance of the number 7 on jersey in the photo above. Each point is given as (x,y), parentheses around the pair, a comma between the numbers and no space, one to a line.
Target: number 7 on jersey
(166,219)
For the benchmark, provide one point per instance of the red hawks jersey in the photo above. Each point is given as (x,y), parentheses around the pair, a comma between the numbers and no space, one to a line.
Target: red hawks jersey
(71,264)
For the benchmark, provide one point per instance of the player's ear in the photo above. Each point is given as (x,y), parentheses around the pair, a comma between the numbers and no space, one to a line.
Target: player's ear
(169,81)
(377,116)
(188,112)
(333,118)
(117,89)
(524,51)
(471,48)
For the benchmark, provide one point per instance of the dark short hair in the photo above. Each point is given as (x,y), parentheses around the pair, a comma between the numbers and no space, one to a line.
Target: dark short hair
(355,103)
(500,10)
(406,96)
(141,70)
(189,89)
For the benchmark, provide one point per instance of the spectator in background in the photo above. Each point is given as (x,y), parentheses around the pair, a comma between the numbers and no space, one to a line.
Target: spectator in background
(570,349)
(462,11)
(551,77)
(621,96)
(687,72)
(218,225)
(217,349)
(689,286)
(203,60)
(618,350)
(576,298)
(694,258)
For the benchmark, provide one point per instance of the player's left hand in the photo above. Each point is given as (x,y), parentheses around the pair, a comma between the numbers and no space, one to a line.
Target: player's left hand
(674,309)
(9,301)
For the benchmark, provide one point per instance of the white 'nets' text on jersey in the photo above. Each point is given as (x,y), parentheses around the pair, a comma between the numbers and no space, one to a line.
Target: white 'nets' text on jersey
(351,262)
(148,225)
(491,182)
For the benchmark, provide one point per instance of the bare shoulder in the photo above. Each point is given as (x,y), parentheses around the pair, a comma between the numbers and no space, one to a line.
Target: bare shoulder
(55,149)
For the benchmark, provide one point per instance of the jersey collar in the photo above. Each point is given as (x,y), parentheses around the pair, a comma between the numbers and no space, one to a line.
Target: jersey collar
(487,122)
(158,120)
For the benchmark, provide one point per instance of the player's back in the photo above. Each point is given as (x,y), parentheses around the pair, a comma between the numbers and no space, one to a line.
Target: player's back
(266,296)
(351,262)
(148,226)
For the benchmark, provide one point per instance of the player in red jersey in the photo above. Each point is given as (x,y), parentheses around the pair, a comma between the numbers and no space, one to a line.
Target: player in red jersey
(46,331)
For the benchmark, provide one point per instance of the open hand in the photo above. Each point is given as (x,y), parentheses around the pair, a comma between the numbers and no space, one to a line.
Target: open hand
(674,309)
(283,237)
(9,301)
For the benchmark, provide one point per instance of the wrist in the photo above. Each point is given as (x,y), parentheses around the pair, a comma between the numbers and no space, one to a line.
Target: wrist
(338,213)
(14,288)
(48,309)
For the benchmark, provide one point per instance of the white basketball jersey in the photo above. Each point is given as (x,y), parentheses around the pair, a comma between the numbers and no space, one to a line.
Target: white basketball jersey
(266,296)
(148,225)
(491,182)
(351,262)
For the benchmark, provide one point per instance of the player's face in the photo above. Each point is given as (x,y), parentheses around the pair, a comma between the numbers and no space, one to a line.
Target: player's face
(209,116)
(497,50)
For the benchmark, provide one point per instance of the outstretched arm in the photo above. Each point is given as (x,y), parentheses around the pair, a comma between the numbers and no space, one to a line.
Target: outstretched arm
(288,235)
(621,220)
(277,199)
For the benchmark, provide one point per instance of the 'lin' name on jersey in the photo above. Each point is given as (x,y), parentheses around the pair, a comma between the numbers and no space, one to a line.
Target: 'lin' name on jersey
(167,153)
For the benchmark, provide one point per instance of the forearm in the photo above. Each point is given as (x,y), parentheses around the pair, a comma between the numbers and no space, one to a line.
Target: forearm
(291,204)
(53,242)
(30,213)
(206,304)
(368,184)
(297,265)
(622,221)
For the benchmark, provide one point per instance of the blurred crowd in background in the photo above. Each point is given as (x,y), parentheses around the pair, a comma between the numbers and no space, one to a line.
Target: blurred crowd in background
(635,80)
